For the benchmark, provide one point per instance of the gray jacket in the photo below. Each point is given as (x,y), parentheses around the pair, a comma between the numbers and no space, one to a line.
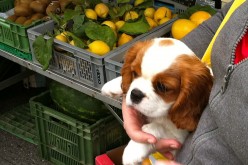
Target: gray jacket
(222,133)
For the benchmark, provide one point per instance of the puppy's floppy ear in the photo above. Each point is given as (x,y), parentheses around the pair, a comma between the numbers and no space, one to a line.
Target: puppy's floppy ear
(126,71)
(196,84)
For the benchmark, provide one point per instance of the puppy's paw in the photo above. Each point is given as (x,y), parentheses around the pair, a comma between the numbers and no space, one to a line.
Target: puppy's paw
(135,153)
(113,88)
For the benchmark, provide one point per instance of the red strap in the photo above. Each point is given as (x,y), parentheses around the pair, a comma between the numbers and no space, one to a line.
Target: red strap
(242,49)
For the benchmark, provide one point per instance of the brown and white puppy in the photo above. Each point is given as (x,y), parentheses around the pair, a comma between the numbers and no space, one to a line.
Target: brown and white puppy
(166,82)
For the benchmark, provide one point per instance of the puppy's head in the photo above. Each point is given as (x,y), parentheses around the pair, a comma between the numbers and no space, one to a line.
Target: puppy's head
(163,77)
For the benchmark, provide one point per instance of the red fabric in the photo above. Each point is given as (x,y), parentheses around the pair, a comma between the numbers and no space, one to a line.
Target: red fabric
(242,49)
(103,160)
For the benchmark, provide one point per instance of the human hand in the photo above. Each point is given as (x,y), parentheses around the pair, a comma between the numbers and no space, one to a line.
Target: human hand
(167,162)
(133,122)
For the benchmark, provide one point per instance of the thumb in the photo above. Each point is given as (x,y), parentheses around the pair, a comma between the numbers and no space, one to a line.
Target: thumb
(167,162)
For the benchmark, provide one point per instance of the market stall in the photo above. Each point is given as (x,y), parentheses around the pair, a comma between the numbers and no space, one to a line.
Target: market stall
(46,48)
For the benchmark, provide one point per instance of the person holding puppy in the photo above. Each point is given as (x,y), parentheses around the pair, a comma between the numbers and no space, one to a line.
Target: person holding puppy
(222,132)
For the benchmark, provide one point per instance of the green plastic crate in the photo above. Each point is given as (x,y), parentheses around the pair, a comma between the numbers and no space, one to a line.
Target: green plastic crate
(15,35)
(64,140)
(16,52)
(20,123)
(5,5)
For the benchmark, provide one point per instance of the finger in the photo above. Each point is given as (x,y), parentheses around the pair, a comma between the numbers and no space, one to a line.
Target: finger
(133,122)
(165,145)
(169,155)
(166,162)
(141,137)
(133,127)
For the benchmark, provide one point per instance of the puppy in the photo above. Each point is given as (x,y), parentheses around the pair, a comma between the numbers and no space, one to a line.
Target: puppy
(166,82)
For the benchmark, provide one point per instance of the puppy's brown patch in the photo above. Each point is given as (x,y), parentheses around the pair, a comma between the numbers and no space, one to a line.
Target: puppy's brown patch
(132,63)
(166,43)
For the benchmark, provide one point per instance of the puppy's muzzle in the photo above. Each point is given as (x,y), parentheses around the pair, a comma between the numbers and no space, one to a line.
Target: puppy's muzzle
(136,96)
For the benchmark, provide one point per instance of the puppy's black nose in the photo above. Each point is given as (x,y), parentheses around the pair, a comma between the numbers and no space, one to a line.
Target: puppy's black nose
(136,96)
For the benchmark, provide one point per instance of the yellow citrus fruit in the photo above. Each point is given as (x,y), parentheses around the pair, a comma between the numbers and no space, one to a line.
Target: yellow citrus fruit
(163,20)
(199,16)
(181,28)
(131,15)
(109,24)
(137,2)
(61,37)
(101,10)
(64,33)
(119,24)
(162,12)
(91,14)
(72,42)
(149,12)
(151,23)
(124,38)
(99,47)
(146,161)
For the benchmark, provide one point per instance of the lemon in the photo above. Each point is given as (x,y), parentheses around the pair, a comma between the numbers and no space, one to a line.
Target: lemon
(124,38)
(162,12)
(146,161)
(149,12)
(99,47)
(72,42)
(101,10)
(181,28)
(199,17)
(163,20)
(131,15)
(119,24)
(64,33)
(110,24)
(91,14)
(61,37)
(151,23)
(137,2)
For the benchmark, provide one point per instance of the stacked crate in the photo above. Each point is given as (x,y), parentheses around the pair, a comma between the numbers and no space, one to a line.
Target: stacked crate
(63,139)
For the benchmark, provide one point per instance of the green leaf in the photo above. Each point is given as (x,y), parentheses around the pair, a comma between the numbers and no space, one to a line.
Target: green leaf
(146,4)
(78,7)
(135,28)
(43,51)
(92,3)
(196,8)
(56,18)
(59,21)
(100,32)
(123,1)
(77,28)
(113,11)
(78,42)
(124,8)
(116,12)
(69,14)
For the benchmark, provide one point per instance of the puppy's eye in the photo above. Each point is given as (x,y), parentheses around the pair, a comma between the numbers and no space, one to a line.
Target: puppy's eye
(160,87)
(134,74)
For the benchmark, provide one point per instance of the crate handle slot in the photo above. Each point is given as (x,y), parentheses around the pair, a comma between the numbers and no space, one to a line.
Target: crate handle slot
(60,119)
(59,122)
(4,24)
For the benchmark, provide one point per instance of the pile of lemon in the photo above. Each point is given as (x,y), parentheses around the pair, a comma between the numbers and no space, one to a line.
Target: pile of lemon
(182,27)
(100,13)
(153,16)
(158,16)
